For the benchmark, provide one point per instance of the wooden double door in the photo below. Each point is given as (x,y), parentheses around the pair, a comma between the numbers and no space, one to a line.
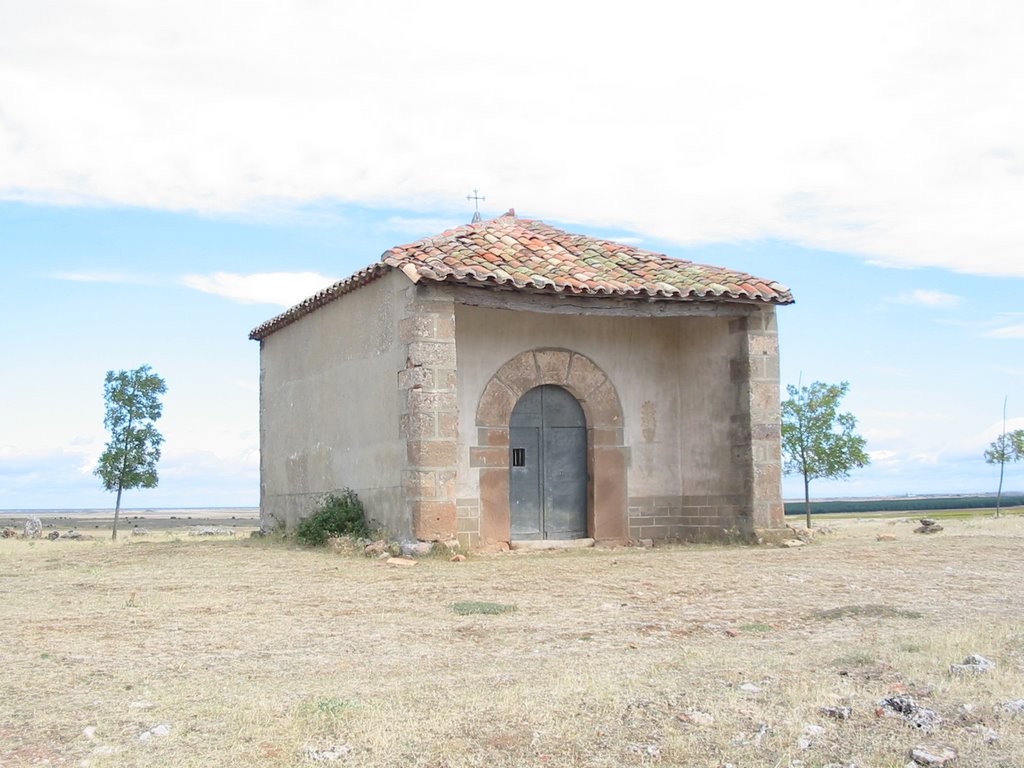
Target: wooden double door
(548,466)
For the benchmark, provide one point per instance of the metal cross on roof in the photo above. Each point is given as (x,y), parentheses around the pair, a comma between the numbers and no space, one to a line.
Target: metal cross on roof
(476,198)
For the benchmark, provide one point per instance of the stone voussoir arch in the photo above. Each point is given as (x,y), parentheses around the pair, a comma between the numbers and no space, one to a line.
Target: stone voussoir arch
(607,457)
(548,365)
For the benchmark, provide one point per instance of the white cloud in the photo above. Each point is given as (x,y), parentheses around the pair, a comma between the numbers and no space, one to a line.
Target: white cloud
(282,288)
(1006,332)
(422,226)
(927,298)
(891,130)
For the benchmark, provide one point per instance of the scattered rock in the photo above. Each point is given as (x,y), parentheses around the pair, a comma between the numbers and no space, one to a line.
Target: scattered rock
(814,730)
(885,537)
(646,750)
(806,535)
(141,704)
(210,530)
(750,688)
(156,731)
(932,755)
(793,543)
(89,732)
(695,717)
(1014,707)
(33,528)
(762,731)
(400,561)
(412,548)
(457,558)
(378,547)
(916,716)
(136,531)
(53,535)
(72,534)
(983,731)
(928,526)
(327,754)
(974,664)
(836,713)
(645,543)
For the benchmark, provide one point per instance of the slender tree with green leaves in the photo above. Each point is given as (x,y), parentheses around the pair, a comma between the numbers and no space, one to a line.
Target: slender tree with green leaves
(133,406)
(817,440)
(1008,447)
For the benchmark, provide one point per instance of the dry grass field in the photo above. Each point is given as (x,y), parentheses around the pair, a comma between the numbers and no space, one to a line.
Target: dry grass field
(174,651)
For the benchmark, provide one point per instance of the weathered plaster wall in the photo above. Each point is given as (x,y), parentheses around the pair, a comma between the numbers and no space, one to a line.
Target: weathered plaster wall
(685,403)
(330,406)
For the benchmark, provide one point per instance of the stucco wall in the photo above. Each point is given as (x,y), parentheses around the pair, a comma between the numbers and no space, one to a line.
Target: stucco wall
(681,403)
(330,405)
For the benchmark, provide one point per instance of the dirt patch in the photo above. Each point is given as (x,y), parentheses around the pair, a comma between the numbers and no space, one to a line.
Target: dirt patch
(255,652)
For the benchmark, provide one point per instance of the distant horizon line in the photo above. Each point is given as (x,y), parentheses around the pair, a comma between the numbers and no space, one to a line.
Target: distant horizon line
(10,510)
(790,500)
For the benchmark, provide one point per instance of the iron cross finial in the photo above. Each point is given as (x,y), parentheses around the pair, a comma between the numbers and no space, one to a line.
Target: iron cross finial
(476,198)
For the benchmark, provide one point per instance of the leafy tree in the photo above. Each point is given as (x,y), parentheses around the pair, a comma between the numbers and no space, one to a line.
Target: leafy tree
(1008,447)
(133,406)
(817,441)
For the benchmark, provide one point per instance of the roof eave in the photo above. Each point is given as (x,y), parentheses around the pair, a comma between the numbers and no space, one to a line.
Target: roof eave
(331,293)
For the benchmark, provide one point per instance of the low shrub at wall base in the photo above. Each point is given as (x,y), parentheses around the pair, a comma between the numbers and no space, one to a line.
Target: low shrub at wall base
(336,515)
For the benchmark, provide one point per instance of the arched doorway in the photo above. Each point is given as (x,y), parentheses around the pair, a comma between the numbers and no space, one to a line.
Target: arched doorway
(607,456)
(548,466)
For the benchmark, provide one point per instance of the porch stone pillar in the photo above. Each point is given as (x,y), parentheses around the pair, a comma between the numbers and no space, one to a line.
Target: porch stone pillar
(429,418)
(761,353)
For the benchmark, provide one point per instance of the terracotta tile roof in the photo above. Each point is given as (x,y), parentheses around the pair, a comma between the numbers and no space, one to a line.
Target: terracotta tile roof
(530,255)
(526,253)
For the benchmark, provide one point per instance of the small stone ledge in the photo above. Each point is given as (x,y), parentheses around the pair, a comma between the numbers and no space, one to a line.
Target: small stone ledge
(548,544)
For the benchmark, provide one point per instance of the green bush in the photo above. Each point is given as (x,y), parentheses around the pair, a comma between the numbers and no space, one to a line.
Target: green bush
(336,516)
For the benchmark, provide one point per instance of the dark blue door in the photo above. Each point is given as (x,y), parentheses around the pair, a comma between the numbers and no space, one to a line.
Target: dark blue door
(548,466)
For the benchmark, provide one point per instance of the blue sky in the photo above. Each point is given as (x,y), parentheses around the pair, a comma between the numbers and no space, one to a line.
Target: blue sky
(172,179)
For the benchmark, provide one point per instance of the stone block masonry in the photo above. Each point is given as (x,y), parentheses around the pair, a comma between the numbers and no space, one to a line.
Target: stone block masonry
(761,447)
(429,416)
(685,518)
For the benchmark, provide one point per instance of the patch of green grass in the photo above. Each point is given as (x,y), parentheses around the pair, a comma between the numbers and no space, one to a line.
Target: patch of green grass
(478,607)
(865,611)
(334,706)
